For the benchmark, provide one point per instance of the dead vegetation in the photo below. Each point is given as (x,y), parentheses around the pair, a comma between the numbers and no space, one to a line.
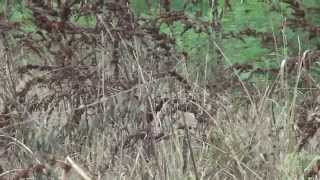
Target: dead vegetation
(110,98)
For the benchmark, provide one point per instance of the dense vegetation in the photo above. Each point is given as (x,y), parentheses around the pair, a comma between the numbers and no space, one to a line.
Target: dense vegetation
(169,89)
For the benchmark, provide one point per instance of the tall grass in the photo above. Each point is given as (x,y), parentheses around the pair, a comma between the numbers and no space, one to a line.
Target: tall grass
(138,119)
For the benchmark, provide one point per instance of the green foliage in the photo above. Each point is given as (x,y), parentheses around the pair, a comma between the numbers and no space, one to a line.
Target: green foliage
(84,21)
(139,7)
(189,41)
(248,50)
(21,14)
(296,163)
(261,18)
(252,14)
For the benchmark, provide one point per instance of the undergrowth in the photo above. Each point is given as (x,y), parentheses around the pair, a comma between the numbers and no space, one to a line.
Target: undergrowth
(115,98)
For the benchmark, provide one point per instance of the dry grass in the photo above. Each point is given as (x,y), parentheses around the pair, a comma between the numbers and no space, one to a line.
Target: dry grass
(141,122)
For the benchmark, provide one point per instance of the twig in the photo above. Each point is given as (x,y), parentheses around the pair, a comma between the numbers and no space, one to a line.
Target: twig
(78,169)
